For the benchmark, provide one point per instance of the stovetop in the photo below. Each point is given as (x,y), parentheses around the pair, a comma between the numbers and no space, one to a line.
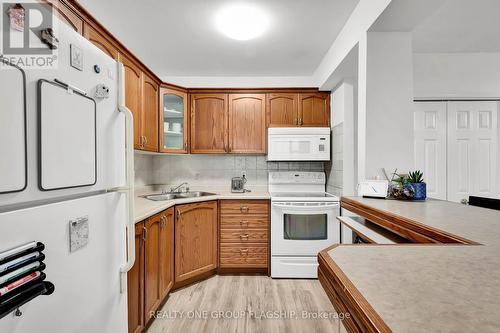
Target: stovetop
(303,196)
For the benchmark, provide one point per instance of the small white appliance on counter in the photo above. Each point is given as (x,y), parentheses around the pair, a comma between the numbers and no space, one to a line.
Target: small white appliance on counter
(70,188)
(298,144)
(303,222)
(373,188)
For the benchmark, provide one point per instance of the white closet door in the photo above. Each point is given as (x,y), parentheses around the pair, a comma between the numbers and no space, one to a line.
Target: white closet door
(472,149)
(430,146)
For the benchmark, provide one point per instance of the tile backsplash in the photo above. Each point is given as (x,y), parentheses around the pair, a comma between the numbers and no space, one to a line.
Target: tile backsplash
(143,167)
(334,169)
(210,169)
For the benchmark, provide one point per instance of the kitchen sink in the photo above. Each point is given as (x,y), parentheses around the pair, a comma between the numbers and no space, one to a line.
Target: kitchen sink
(195,194)
(177,195)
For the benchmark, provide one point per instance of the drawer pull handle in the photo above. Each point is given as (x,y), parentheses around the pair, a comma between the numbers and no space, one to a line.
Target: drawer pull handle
(245,236)
(244,222)
(243,251)
(244,208)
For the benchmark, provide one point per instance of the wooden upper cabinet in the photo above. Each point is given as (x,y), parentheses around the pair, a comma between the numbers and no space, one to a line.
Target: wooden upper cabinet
(100,41)
(152,264)
(282,110)
(209,119)
(149,126)
(67,14)
(166,252)
(133,96)
(135,284)
(195,239)
(174,121)
(314,109)
(247,123)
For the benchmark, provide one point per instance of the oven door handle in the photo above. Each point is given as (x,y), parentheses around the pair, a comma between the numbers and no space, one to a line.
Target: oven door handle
(329,205)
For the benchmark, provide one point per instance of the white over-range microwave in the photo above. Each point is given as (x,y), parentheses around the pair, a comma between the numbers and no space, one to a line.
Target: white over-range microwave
(298,144)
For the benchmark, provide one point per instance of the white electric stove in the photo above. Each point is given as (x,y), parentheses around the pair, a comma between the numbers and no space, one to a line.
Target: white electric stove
(303,222)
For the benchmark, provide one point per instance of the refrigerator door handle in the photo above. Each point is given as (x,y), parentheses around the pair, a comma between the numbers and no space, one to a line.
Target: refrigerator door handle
(129,189)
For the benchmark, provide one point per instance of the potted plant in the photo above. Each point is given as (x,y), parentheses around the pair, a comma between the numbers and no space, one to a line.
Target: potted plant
(401,188)
(416,179)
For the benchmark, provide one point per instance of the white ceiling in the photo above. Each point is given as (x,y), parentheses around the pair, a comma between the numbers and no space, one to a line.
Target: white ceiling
(445,26)
(178,37)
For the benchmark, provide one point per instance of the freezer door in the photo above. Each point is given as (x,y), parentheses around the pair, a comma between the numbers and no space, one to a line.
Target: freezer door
(87,294)
(109,127)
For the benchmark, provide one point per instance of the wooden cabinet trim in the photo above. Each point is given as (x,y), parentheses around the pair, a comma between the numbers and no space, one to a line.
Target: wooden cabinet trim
(100,40)
(68,14)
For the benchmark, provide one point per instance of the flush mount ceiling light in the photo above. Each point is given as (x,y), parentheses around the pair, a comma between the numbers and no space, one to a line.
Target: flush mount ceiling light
(242,21)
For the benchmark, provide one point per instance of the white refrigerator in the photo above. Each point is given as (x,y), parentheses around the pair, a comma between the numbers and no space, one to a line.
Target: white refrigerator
(65,156)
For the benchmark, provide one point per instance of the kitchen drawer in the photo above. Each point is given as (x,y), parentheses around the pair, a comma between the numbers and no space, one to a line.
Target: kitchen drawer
(247,255)
(244,207)
(243,235)
(244,222)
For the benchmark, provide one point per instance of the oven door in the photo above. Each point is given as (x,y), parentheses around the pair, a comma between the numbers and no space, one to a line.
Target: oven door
(303,228)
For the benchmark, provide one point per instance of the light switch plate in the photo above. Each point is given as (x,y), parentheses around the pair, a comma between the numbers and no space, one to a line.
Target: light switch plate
(78,233)
(76,57)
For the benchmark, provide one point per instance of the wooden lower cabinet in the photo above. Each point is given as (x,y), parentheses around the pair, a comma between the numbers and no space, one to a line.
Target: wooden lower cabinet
(195,239)
(167,253)
(152,264)
(151,277)
(244,234)
(135,284)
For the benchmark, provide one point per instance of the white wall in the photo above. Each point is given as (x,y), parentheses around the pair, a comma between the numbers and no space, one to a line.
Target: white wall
(389,103)
(362,17)
(456,75)
(342,177)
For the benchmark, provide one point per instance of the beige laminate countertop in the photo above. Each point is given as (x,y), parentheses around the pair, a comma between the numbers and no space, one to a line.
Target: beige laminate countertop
(431,288)
(145,208)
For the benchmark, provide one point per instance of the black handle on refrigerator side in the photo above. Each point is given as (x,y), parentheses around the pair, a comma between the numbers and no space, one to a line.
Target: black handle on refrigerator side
(42,288)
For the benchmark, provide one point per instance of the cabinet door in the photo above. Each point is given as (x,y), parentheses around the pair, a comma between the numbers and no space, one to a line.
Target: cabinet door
(152,264)
(174,121)
(150,113)
(195,239)
(67,14)
(133,96)
(314,109)
(100,41)
(282,110)
(247,124)
(209,122)
(166,252)
(135,284)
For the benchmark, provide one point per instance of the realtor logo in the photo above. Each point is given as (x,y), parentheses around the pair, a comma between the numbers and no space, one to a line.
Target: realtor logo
(28,38)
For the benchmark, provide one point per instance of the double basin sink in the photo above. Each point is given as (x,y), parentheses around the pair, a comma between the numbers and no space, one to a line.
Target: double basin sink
(177,195)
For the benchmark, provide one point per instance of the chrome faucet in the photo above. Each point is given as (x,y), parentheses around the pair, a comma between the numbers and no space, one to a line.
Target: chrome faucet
(174,189)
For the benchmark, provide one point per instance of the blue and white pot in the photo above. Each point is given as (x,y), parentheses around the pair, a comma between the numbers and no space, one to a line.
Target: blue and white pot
(420,191)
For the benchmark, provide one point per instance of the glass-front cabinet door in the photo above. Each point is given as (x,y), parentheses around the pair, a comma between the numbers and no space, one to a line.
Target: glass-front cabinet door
(174,122)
